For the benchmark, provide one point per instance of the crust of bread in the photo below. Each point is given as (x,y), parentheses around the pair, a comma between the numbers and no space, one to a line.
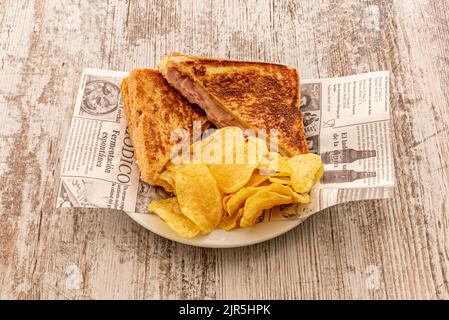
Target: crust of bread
(153,110)
(259,95)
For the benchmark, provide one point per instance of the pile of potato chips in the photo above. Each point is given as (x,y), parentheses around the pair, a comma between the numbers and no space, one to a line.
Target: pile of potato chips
(227,180)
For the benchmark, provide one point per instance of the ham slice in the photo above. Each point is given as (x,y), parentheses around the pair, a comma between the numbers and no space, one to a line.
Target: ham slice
(197,95)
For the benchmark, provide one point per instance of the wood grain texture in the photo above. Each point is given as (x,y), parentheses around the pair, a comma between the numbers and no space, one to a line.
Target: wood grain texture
(396,249)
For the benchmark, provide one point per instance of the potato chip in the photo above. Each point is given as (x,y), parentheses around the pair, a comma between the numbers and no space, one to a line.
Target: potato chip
(169,211)
(306,171)
(302,197)
(234,147)
(230,222)
(167,180)
(266,183)
(225,201)
(219,151)
(281,180)
(211,146)
(223,146)
(260,201)
(230,178)
(288,191)
(238,199)
(283,165)
(256,179)
(198,196)
(280,174)
(276,164)
(170,166)
(220,155)
(167,187)
(197,148)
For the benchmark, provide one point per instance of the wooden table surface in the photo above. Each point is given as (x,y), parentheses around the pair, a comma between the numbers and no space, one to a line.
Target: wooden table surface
(395,249)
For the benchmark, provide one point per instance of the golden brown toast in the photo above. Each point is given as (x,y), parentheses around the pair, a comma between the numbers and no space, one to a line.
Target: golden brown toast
(154,110)
(256,94)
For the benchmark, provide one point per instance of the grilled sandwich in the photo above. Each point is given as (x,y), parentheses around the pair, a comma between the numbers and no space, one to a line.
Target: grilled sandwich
(250,95)
(154,110)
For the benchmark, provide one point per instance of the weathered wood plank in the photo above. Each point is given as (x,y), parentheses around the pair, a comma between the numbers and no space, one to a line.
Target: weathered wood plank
(368,250)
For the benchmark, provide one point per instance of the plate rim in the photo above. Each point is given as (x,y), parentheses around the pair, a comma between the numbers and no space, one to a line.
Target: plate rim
(139,218)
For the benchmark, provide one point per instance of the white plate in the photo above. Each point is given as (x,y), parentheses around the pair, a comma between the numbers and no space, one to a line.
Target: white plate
(218,238)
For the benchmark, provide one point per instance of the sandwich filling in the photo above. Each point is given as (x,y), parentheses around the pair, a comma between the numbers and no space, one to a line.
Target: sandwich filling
(195,94)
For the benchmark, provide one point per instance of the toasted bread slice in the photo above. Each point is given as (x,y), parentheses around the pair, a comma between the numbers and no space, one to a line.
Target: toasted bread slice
(253,95)
(154,110)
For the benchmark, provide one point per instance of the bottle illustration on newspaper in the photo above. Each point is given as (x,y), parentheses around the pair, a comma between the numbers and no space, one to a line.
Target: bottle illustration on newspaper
(342,176)
(346,155)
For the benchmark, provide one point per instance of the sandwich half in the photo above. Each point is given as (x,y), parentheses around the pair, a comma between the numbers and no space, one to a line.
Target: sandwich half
(250,95)
(153,110)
